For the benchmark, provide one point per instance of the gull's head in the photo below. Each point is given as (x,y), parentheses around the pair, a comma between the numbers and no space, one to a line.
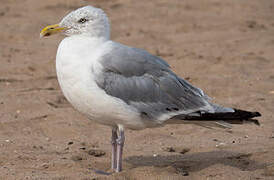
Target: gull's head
(88,21)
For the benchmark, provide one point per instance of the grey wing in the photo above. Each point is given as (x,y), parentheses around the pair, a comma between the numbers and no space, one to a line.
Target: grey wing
(146,82)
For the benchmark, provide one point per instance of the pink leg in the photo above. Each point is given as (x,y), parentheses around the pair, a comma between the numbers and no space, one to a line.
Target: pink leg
(114,149)
(120,144)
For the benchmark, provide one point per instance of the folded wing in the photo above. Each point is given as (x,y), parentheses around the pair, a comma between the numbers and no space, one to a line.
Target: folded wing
(146,82)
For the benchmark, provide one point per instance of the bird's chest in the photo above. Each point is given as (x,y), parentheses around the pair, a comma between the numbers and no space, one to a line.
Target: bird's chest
(80,89)
(74,64)
(76,85)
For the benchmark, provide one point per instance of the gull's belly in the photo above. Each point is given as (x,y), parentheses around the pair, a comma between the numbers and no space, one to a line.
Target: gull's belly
(82,92)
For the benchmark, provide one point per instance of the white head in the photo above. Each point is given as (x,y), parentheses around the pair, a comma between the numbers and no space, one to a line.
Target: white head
(88,21)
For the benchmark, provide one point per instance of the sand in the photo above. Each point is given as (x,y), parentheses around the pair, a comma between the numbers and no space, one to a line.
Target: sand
(224,47)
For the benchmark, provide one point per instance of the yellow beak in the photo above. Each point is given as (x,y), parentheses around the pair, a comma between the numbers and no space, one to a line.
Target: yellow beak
(51,29)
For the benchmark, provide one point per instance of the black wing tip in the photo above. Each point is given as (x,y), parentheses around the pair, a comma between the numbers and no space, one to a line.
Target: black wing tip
(248,114)
(256,114)
(255,121)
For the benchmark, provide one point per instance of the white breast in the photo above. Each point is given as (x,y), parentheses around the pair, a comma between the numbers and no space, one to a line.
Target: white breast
(76,63)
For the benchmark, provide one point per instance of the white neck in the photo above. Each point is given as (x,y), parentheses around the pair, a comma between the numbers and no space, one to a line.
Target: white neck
(78,45)
(100,31)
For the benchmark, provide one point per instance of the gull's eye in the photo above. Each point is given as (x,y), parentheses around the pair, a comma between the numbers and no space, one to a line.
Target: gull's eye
(82,20)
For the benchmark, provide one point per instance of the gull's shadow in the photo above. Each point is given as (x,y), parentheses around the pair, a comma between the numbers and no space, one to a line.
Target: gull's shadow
(198,161)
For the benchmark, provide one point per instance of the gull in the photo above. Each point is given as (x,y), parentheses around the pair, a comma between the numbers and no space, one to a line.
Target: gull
(125,87)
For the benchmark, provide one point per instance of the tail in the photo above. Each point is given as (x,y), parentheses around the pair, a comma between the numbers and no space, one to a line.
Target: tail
(221,118)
